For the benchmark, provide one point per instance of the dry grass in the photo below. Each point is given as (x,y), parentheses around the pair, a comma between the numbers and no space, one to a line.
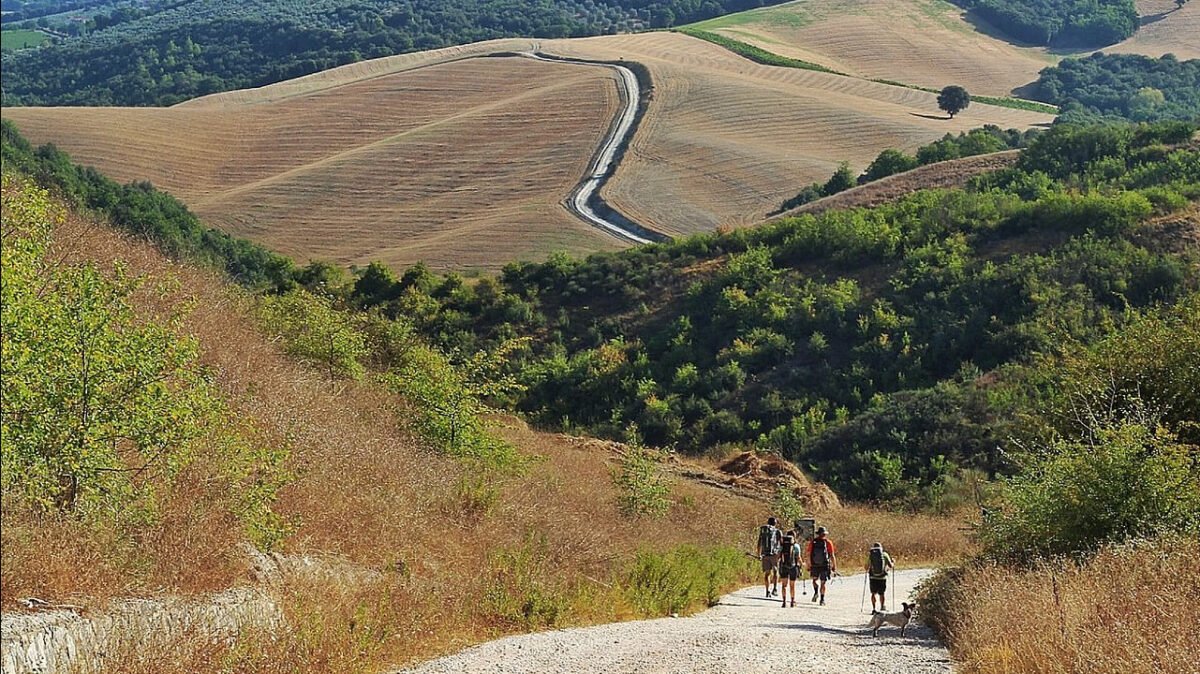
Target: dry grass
(941,175)
(1165,30)
(930,43)
(1130,609)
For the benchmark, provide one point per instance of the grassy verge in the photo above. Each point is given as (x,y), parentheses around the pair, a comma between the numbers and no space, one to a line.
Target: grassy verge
(756,54)
(760,55)
(1131,608)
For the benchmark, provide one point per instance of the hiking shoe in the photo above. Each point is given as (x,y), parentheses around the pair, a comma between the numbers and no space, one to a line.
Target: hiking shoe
(793,603)
(814,596)
(783,604)
(822,600)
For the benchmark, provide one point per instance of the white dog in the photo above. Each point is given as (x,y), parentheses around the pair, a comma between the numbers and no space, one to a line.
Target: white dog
(901,619)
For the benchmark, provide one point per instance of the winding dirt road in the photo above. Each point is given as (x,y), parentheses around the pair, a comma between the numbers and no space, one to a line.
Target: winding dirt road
(745,633)
(581,200)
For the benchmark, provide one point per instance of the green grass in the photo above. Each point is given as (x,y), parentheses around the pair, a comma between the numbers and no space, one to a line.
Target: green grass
(756,54)
(21,38)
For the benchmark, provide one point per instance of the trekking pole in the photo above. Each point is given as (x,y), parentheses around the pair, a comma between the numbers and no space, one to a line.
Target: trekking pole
(862,604)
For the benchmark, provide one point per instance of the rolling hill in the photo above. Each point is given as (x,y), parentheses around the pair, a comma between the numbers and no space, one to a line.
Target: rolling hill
(930,43)
(464,163)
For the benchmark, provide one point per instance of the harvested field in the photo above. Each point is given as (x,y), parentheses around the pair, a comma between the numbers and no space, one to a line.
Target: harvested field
(725,140)
(930,43)
(1165,29)
(461,164)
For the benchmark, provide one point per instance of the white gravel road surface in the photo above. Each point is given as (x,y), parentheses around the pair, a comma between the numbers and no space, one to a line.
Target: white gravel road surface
(745,633)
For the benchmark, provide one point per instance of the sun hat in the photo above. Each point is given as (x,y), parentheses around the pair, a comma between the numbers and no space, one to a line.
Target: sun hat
(877,545)
(821,530)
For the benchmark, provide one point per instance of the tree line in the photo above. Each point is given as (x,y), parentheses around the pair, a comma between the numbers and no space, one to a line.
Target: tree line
(1106,87)
(1059,22)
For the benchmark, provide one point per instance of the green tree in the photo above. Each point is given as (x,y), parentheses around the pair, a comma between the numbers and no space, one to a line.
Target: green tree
(841,180)
(99,404)
(313,330)
(953,99)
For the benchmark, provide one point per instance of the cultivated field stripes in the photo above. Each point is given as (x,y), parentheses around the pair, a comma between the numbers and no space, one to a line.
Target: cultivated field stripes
(463,164)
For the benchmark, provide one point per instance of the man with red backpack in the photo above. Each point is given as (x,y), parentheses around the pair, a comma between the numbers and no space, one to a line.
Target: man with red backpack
(822,562)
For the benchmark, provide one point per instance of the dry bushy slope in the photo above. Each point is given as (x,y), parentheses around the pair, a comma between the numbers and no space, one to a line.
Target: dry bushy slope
(929,42)
(464,163)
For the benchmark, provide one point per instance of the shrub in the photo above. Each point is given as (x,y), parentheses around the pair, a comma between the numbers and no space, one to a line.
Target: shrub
(641,488)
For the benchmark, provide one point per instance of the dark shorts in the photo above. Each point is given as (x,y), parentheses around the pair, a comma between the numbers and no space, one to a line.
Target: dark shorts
(820,573)
(768,563)
(879,586)
(789,572)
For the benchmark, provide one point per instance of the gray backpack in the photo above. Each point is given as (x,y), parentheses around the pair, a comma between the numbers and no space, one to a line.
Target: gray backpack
(768,540)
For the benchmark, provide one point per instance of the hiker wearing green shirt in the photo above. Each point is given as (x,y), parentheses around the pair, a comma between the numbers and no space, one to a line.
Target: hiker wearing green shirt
(878,565)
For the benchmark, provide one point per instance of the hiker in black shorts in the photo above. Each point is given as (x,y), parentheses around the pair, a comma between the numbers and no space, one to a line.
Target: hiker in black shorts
(878,565)
(789,566)
(822,562)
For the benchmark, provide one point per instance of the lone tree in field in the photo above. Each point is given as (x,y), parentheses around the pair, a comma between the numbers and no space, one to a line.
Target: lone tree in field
(954,99)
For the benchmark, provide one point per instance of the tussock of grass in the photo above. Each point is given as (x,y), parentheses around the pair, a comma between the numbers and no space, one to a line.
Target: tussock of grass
(1131,608)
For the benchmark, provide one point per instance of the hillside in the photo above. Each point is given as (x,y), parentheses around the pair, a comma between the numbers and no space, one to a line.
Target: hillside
(863,344)
(300,165)
(369,522)
(930,43)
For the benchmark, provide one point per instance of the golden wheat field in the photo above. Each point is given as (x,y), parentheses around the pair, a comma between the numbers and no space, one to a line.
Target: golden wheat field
(930,43)
(464,163)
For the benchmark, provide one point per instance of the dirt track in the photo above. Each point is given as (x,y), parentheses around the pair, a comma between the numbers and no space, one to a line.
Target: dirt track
(745,633)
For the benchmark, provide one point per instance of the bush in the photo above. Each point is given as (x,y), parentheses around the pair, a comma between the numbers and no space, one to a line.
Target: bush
(662,584)
(1128,481)
(641,488)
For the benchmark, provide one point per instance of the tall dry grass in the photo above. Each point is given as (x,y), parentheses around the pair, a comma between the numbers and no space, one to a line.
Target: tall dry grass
(1131,609)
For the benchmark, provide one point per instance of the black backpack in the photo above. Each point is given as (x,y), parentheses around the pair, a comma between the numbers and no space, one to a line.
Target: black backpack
(789,552)
(876,565)
(820,553)
(768,540)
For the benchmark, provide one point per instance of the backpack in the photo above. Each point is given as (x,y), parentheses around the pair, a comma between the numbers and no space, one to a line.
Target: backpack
(820,553)
(876,563)
(768,540)
(789,552)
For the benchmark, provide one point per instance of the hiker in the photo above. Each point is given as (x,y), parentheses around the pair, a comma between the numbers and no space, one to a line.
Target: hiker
(822,562)
(789,566)
(769,541)
(878,565)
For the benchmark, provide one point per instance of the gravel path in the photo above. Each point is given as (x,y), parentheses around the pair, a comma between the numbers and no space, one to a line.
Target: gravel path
(744,633)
